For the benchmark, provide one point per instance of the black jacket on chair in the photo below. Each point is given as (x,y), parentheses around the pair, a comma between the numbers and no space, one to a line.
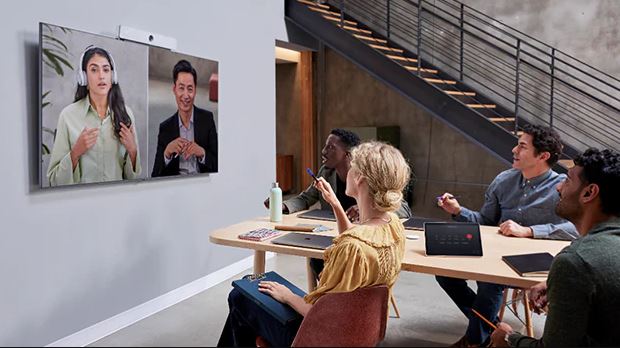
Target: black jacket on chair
(205,135)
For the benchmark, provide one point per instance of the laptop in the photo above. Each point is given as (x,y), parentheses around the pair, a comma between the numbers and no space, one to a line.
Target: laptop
(452,238)
(417,222)
(318,214)
(304,240)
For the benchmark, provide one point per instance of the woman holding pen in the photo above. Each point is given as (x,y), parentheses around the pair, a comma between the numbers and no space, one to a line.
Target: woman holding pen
(365,254)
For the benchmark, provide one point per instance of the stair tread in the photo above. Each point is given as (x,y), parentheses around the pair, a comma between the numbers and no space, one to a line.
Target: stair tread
(363,31)
(337,19)
(415,68)
(370,38)
(442,81)
(502,119)
(329,13)
(482,106)
(467,94)
(407,59)
(386,48)
(312,3)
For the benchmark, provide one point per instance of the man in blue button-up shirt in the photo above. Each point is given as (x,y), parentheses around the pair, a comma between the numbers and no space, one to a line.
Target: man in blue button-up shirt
(521,201)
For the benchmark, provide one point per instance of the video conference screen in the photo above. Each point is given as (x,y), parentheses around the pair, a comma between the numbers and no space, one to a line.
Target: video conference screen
(114,110)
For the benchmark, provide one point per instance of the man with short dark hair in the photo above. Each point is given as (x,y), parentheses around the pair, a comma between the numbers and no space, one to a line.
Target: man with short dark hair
(583,288)
(187,141)
(521,202)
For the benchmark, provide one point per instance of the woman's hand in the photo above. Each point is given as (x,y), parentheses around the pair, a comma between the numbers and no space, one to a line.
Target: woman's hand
(276,290)
(128,138)
(84,142)
(326,191)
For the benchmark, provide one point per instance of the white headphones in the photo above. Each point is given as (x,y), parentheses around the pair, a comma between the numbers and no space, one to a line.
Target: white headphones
(81,78)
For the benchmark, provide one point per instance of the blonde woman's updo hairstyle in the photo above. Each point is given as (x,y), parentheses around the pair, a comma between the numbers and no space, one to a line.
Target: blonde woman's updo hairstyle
(386,171)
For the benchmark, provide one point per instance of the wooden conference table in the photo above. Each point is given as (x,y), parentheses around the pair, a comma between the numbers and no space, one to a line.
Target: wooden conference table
(488,268)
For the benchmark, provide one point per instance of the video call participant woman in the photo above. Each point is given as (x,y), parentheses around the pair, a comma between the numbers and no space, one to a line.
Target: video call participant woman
(95,137)
(362,255)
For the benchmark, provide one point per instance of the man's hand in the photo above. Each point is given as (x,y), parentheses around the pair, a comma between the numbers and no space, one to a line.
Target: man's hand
(353,213)
(448,203)
(276,290)
(177,146)
(193,149)
(538,297)
(498,337)
(511,228)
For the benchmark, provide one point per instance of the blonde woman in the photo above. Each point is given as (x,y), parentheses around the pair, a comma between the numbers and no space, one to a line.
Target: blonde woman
(365,254)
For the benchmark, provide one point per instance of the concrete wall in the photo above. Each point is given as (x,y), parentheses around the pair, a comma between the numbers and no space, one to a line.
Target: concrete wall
(586,29)
(74,257)
(442,159)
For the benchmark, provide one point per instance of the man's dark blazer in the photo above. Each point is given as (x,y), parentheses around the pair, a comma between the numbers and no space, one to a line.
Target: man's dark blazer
(205,135)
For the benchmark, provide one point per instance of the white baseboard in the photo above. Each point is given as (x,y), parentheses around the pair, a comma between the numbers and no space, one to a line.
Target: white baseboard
(104,328)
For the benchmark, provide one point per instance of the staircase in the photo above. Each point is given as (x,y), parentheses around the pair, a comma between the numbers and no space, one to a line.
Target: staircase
(465,74)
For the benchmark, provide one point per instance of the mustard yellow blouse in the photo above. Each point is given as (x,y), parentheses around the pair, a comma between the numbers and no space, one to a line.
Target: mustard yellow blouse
(362,256)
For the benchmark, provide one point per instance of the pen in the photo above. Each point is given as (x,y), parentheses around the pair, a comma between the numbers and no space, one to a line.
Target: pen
(449,197)
(484,319)
(311,174)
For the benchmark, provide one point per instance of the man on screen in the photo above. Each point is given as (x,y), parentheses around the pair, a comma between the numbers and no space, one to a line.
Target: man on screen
(187,141)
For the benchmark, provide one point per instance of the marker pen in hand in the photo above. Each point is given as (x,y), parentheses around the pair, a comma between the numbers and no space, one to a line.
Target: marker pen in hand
(439,198)
(309,171)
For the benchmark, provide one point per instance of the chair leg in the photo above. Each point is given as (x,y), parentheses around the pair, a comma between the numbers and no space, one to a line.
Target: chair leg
(528,314)
(502,308)
(515,301)
(393,301)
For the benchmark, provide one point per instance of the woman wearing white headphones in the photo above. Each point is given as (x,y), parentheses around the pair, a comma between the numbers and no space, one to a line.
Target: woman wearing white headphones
(95,138)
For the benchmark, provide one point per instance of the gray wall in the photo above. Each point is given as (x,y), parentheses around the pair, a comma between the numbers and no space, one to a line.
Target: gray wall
(73,257)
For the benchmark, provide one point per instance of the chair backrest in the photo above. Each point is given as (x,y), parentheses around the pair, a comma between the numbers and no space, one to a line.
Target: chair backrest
(356,318)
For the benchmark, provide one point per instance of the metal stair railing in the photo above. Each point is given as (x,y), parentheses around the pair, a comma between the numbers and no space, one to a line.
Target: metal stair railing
(538,83)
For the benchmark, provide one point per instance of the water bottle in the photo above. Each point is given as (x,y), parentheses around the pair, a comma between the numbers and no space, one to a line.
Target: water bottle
(275,203)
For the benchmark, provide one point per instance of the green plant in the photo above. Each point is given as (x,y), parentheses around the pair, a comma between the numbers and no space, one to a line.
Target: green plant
(55,56)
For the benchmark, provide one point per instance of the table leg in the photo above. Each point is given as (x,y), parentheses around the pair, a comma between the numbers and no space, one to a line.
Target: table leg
(310,275)
(259,262)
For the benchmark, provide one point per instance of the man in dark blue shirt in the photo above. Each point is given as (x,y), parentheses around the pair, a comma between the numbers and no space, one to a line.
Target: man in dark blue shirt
(521,201)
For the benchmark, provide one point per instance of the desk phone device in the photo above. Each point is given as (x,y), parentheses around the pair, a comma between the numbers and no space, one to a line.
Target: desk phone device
(452,238)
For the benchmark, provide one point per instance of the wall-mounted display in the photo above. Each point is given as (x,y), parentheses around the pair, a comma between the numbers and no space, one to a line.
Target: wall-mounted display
(114,110)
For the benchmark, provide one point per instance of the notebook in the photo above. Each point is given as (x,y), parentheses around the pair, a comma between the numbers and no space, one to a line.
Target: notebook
(304,240)
(259,235)
(452,238)
(530,265)
(318,214)
(417,223)
(248,286)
